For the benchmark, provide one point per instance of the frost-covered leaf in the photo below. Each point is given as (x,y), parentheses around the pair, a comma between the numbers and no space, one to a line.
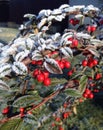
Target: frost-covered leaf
(30,16)
(21,55)
(44,13)
(83,35)
(41,42)
(96,42)
(67,51)
(70,9)
(79,6)
(1,44)
(73,92)
(29,43)
(42,22)
(4,59)
(56,36)
(18,42)
(93,51)
(51,47)
(67,35)
(50,18)
(63,6)
(82,83)
(56,12)
(36,55)
(4,86)
(59,18)
(52,66)
(11,51)
(19,68)
(5,69)
(78,16)
(45,28)
(91,7)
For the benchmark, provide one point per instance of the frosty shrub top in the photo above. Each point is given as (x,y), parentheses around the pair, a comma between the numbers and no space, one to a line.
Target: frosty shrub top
(44,76)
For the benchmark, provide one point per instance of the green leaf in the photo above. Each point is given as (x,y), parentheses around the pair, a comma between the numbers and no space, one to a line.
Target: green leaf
(31,119)
(27,100)
(4,86)
(56,81)
(14,124)
(83,82)
(73,92)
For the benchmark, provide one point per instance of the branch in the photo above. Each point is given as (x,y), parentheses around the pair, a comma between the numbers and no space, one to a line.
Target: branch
(37,106)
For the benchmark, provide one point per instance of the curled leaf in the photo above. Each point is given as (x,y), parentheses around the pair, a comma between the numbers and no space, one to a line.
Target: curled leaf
(5,69)
(52,66)
(19,68)
(67,51)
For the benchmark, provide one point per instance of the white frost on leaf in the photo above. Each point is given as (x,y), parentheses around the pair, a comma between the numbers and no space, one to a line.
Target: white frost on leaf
(21,55)
(19,68)
(5,69)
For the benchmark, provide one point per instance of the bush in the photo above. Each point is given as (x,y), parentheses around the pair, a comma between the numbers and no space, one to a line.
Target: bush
(43,77)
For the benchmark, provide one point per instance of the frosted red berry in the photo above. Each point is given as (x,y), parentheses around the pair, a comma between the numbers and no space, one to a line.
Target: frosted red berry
(47,81)
(40,78)
(84,63)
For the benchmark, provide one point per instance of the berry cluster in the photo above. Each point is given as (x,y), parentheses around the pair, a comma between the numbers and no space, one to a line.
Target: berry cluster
(63,63)
(91,28)
(91,62)
(88,94)
(42,76)
(74,41)
(74,21)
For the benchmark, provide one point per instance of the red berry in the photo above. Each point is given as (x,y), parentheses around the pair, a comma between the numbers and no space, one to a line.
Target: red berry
(80,100)
(65,105)
(65,115)
(87,91)
(84,63)
(89,28)
(91,96)
(33,62)
(46,74)
(21,110)
(72,21)
(67,64)
(5,110)
(39,62)
(61,128)
(61,64)
(70,73)
(92,84)
(54,53)
(53,124)
(58,119)
(95,62)
(74,43)
(47,81)
(93,28)
(35,72)
(40,78)
(70,39)
(98,76)
(90,64)
(85,95)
